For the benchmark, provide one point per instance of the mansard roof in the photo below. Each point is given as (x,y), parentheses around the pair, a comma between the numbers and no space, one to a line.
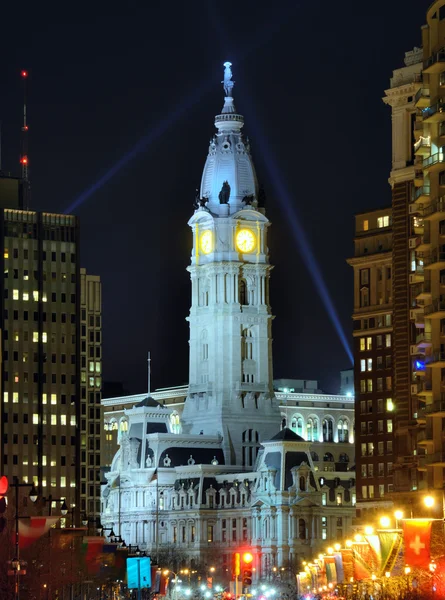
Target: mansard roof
(148,401)
(287,435)
(179,456)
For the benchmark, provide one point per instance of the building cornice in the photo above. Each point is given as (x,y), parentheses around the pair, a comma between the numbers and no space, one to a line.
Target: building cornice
(380,258)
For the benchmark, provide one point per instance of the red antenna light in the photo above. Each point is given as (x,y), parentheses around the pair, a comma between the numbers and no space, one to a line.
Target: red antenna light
(24,73)
(25,128)
(24,160)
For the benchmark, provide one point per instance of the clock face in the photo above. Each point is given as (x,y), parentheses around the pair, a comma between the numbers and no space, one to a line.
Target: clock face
(206,241)
(245,240)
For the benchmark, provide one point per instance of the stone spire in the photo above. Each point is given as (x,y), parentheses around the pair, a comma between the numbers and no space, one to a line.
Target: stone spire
(229,167)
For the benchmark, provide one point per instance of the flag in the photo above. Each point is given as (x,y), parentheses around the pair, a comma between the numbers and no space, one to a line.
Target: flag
(92,547)
(365,560)
(331,573)
(417,537)
(348,564)
(390,551)
(339,567)
(38,526)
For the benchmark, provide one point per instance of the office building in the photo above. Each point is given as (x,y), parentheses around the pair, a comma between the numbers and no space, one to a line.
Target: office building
(373,368)
(49,342)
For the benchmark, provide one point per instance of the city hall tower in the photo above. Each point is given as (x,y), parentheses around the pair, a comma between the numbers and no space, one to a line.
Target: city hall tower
(230,385)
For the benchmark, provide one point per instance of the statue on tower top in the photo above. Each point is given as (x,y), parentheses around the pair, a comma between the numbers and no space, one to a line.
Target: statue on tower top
(228,83)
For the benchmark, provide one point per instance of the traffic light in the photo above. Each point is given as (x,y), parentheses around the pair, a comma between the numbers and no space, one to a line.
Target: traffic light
(3,489)
(247,569)
(236,565)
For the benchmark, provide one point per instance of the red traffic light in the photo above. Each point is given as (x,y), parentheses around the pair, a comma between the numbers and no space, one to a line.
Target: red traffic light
(247,557)
(3,485)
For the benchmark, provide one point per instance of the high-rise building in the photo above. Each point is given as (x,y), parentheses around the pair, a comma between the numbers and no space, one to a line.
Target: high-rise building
(417,100)
(373,369)
(91,430)
(49,343)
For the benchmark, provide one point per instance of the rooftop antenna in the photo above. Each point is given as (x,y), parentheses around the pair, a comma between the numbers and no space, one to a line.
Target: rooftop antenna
(24,161)
(149,373)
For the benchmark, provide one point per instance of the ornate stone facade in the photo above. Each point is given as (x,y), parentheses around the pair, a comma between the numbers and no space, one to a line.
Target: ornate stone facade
(220,470)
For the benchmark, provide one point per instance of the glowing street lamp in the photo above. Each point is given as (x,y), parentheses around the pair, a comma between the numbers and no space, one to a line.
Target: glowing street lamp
(429,501)
(369,530)
(385,521)
(407,572)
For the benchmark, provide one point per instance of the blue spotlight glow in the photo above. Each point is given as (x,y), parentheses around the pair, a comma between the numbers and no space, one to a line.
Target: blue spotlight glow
(140,146)
(286,201)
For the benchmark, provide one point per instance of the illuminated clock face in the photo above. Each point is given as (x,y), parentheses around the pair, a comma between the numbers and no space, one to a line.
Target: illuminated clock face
(245,240)
(206,242)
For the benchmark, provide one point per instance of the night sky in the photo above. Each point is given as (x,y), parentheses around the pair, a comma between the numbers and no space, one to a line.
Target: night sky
(309,81)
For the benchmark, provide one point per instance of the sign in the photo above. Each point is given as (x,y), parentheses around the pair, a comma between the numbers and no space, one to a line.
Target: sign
(138,572)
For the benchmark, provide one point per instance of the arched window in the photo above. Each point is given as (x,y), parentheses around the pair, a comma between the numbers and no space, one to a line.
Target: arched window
(302,484)
(247,342)
(247,353)
(315,456)
(297,425)
(175,423)
(328,457)
(343,430)
(302,529)
(124,425)
(328,430)
(243,292)
(312,429)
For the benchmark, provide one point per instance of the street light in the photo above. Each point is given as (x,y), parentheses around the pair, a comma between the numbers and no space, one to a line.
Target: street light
(385,521)
(407,572)
(15,563)
(165,572)
(429,501)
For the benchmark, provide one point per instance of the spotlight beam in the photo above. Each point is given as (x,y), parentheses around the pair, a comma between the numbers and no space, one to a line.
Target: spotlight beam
(299,234)
(258,39)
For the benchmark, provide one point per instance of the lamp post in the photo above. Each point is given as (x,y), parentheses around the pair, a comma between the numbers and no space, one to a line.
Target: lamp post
(62,501)
(166,572)
(433,567)
(15,563)
(407,572)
